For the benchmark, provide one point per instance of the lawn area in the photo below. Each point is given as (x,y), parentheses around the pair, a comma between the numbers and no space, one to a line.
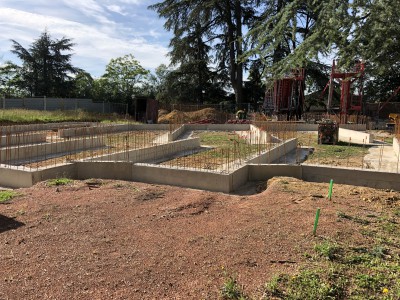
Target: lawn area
(341,154)
(23,116)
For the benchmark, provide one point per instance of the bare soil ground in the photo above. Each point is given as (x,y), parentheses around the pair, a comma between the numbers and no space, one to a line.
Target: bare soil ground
(126,240)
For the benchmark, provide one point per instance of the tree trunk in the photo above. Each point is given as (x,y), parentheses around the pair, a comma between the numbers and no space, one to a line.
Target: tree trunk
(235,49)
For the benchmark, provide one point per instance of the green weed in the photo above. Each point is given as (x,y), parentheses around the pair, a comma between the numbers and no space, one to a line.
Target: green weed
(231,290)
(59,181)
(328,250)
(7,195)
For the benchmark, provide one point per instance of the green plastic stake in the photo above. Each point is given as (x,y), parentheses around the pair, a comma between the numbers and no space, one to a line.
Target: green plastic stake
(316,221)
(330,190)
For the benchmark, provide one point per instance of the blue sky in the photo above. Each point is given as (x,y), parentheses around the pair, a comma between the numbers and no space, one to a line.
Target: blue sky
(101,30)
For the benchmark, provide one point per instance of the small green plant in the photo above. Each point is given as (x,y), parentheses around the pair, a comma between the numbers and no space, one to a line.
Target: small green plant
(231,289)
(327,249)
(273,286)
(7,195)
(59,181)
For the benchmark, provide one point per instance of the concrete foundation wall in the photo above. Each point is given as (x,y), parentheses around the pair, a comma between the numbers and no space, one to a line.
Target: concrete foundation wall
(265,172)
(104,170)
(218,127)
(151,153)
(258,136)
(356,137)
(84,131)
(22,139)
(396,146)
(41,127)
(14,177)
(183,178)
(176,133)
(299,126)
(238,178)
(275,152)
(369,178)
(356,127)
(62,171)
(16,154)
(288,126)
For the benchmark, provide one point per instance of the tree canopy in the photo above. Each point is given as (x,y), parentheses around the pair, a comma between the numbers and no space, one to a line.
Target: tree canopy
(121,80)
(46,66)
(217,44)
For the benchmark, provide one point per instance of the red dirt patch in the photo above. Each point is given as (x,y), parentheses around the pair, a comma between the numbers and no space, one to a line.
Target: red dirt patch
(127,240)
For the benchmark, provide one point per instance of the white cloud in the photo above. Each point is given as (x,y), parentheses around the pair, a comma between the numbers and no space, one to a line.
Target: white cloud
(95,42)
(137,2)
(89,8)
(117,9)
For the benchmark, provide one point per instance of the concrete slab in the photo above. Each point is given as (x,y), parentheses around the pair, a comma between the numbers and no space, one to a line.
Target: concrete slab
(355,137)
(382,158)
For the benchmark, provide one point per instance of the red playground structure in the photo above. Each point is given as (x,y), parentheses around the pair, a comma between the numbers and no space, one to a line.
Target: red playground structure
(286,96)
(351,90)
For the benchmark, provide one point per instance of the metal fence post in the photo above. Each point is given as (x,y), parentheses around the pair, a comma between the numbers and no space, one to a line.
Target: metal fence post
(44,103)
(4,102)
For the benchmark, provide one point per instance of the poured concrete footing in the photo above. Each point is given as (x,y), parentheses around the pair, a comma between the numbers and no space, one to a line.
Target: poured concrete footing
(355,137)
(14,155)
(212,181)
(22,139)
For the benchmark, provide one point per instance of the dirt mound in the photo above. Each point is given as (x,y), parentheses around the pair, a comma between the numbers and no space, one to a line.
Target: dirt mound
(162,112)
(181,117)
(174,116)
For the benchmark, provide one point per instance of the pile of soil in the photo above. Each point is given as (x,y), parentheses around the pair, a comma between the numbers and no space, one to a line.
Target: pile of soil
(180,117)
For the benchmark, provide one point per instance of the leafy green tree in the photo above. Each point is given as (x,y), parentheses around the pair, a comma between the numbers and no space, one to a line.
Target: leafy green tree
(122,79)
(190,53)
(155,85)
(215,26)
(46,68)
(9,76)
(343,29)
(82,85)
(254,87)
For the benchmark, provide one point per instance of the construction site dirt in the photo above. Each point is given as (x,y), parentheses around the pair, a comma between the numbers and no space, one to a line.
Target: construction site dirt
(102,239)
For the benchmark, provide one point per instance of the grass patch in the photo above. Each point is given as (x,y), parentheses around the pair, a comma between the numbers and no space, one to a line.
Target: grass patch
(7,195)
(227,141)
(59,181)
(307,284)
(231,290)
(227,147)
(23,116)
(340,154)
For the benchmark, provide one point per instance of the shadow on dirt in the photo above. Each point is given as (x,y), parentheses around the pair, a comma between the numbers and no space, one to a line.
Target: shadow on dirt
(251,188)
(7,223)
